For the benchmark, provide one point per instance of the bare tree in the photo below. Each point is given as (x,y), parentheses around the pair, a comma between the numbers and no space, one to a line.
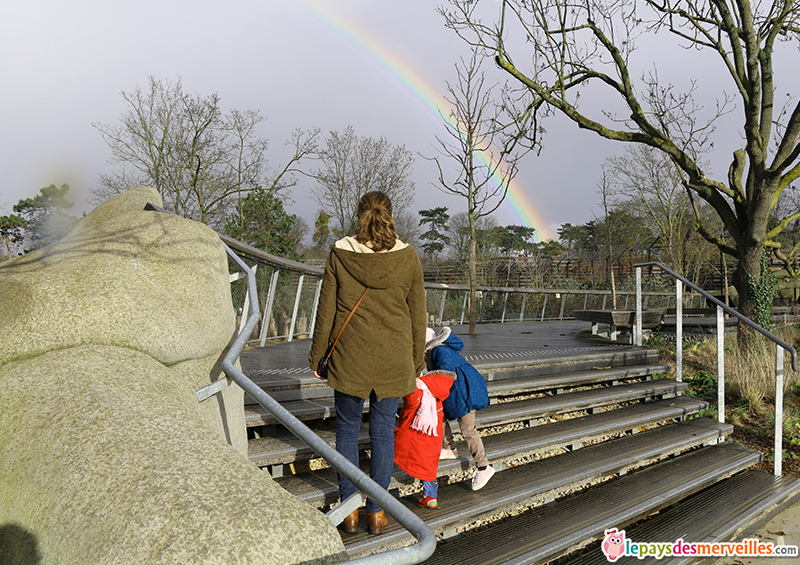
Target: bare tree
(459,232)
(353,166)
(407,227)
(486,162)
(575,46)
(608,230)
(200,160)
(651,184)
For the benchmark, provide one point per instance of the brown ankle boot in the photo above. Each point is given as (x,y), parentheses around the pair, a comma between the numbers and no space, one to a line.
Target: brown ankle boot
(350,523)
(376,522)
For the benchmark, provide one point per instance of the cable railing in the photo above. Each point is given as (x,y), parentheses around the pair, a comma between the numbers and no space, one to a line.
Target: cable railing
(721,310)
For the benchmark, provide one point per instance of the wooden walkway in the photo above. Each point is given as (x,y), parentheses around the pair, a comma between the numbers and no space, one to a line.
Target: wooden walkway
(584,434)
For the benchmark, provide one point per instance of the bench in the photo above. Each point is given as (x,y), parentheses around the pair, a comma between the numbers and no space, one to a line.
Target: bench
(617,319)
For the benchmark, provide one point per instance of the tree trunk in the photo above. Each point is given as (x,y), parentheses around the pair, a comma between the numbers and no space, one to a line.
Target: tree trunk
(473,293)
(610,263)
(746,279)
(724,263)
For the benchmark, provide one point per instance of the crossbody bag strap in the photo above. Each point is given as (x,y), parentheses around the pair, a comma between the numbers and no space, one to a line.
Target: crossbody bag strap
(350,315)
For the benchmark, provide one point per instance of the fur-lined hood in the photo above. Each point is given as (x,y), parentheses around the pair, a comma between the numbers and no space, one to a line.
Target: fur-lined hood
(439,382)
(432,339)
(376,270)
(349,243)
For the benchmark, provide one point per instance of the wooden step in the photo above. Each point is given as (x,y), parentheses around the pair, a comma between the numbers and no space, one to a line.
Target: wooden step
(499,384)
(542,481)
(526,363)
(730,510)
(288,448)
(544,533)
(285,388)
(564,381)
(576,433)
(289,384)
(545,406)
(322,408)
(319,488)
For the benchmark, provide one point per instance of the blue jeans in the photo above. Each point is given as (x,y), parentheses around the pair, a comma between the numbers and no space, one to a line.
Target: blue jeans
(430,488)
(349,410)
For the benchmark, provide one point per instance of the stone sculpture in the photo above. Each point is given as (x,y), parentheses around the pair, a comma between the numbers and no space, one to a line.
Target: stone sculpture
(106,455)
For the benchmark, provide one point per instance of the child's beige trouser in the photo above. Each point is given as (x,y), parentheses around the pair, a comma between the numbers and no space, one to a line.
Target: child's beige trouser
(471,436)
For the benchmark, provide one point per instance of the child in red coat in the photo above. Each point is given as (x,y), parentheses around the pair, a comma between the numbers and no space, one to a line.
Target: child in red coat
(418,435)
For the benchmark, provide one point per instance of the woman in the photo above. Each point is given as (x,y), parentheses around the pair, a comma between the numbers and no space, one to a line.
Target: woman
(381,351)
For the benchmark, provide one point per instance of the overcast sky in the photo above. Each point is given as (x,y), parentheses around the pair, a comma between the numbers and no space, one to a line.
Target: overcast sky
(303,63)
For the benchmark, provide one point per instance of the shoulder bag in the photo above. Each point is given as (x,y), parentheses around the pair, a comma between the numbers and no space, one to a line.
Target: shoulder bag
(322,368)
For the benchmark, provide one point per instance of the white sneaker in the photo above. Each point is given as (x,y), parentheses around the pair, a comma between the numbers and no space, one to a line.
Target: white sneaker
(480,478)
(448,454)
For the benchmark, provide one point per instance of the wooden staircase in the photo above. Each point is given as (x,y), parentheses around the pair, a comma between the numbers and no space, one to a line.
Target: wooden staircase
(583,441)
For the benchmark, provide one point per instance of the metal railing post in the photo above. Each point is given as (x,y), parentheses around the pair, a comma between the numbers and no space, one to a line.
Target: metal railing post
(273,285)
(464,306)
(441,307)
(524,302)
(778,451)
(720,365)
(678,330)
(638,331)
(505,303)
(544,305)
(246,302)
(314,307)
(296,306)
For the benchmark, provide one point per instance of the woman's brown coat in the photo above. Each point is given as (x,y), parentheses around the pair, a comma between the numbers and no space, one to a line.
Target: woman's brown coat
(382,348)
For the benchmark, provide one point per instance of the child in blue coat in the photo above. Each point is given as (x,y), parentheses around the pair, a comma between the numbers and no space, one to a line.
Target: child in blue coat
(468,395)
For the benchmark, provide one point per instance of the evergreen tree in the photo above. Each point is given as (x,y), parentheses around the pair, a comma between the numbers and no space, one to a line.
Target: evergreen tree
(514,238)
(261,221)
(322,232)
(434,239)
(45,219)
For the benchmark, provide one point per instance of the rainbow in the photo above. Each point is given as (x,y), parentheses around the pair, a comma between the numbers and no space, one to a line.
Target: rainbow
(518,202)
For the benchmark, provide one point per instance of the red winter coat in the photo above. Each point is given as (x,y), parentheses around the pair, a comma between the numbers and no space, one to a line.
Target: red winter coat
(416,452)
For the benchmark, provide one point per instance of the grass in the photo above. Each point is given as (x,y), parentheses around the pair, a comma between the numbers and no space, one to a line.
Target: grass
(749,390)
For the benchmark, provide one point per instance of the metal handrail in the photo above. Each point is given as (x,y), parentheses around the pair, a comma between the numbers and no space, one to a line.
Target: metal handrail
(426,539)
(417,527)
(279,264)
(780,346)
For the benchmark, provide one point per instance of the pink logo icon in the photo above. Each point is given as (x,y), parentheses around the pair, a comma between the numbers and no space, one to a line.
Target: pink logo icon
(614,544)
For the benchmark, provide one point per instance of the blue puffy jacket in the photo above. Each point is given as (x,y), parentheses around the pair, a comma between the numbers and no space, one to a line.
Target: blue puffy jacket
(469,390)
